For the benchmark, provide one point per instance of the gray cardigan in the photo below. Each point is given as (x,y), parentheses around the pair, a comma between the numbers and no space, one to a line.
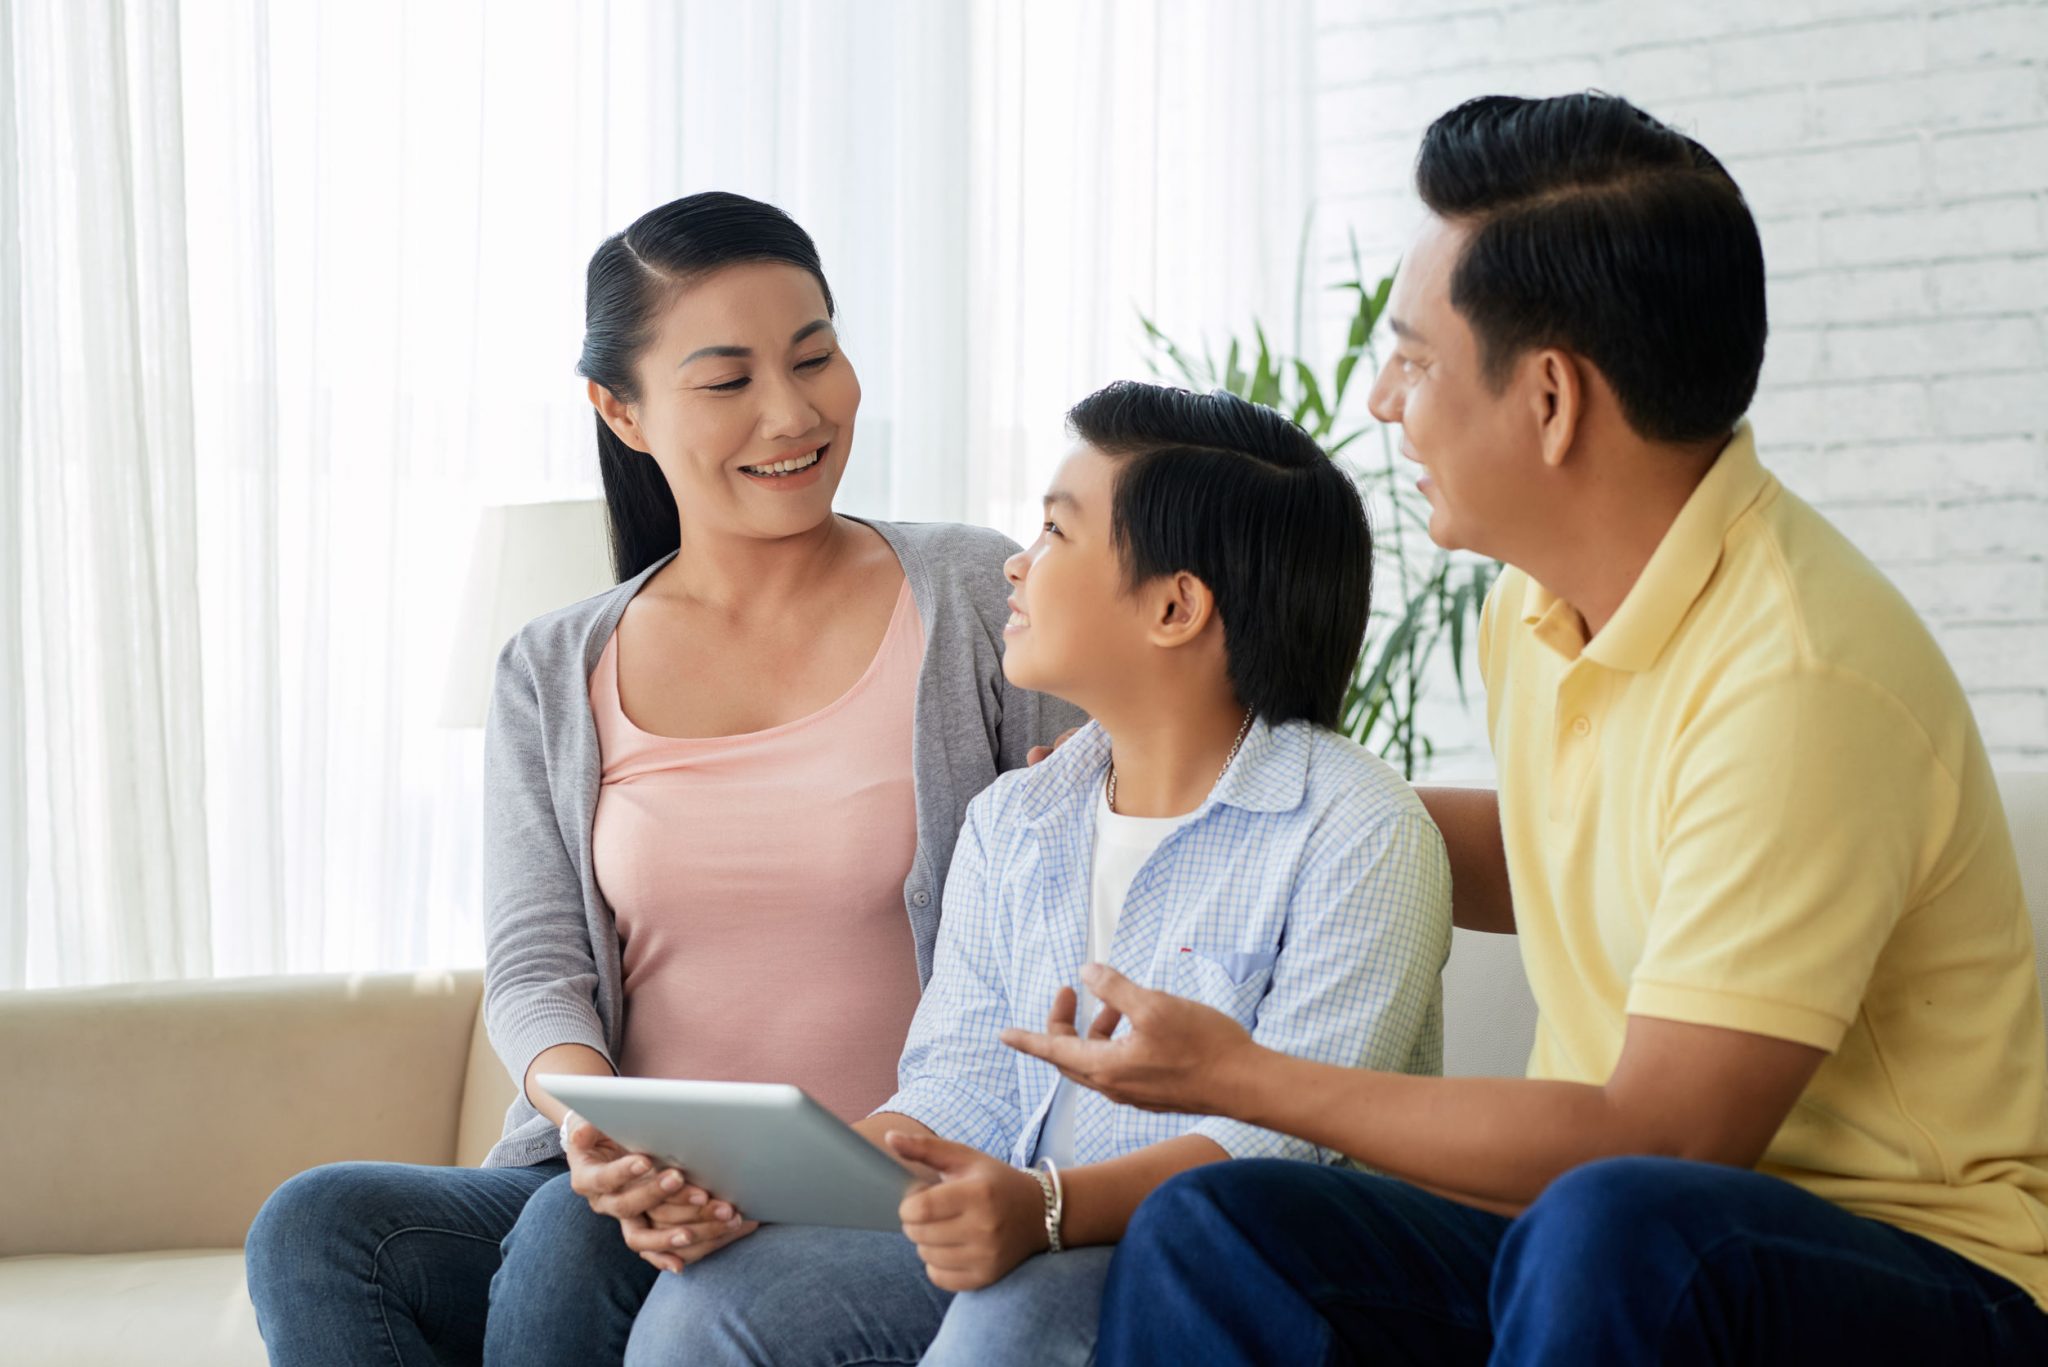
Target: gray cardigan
(551,966)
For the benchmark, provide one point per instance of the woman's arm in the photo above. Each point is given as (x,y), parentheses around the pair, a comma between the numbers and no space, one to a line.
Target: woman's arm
(578,1059)
(540,974)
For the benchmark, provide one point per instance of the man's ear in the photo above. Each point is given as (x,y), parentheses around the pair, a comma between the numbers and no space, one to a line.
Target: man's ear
(1558,397)
(1180,608)
(617,416)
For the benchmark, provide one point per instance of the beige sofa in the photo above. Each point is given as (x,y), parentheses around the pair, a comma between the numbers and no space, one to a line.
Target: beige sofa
(150,1122)
(145,1125)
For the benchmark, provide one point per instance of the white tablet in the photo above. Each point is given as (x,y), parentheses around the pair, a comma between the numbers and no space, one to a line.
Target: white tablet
(768,1148)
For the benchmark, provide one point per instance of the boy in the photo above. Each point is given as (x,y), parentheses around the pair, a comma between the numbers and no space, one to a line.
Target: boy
(1200,588)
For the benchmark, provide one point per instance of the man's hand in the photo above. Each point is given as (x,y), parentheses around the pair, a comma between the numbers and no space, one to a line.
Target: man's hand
(664,1219)
(982,1219)
(1178,1055)
(1039,752)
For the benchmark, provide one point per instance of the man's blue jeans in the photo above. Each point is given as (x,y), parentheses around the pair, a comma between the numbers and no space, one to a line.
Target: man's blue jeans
(1624,1261)
(374,1264)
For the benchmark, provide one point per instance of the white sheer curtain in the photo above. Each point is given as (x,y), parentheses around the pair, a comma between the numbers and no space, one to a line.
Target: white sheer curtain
(1129,158)
(289,291)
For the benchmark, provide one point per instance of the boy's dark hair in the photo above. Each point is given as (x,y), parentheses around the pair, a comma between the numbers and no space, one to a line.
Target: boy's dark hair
(1598,229)
(1245,501)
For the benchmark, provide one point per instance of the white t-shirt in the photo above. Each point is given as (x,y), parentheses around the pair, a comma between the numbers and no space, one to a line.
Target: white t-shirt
(1122,845)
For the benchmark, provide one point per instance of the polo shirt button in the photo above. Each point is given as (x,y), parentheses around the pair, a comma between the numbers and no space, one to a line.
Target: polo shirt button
(1581,727)
(920,898)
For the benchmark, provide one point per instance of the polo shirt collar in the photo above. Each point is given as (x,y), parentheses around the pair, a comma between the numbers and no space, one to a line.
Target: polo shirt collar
(1673,579)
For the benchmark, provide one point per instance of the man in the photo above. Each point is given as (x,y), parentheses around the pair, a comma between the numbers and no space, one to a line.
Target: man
(1788,1099)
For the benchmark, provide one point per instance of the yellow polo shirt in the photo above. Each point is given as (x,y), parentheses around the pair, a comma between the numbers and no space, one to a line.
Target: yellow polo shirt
(1757,800)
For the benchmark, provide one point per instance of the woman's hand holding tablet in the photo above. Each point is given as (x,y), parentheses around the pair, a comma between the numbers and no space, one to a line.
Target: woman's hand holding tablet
(664,1218)
(763,1148)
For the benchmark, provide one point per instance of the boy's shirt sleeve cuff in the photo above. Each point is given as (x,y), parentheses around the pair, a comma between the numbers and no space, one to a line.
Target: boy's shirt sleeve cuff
(951,1111)
(1240,1140)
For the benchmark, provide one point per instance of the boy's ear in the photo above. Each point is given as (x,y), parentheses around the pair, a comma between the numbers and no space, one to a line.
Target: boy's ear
(617,416)
(1180,607)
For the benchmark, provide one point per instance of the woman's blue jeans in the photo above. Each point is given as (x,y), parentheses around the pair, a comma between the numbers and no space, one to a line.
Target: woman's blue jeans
(359,1264)
(1624,1261)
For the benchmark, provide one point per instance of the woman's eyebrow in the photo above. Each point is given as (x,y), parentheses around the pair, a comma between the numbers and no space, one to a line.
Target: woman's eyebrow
(703,351)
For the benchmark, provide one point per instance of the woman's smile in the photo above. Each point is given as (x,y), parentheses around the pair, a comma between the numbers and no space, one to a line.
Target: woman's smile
(791,472)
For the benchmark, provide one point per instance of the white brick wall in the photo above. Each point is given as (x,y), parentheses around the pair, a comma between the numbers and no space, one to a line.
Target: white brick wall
(1896,155)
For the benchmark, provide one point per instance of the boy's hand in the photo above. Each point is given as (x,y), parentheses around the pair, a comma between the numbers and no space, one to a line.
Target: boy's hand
(1177,1056)
(982,1219)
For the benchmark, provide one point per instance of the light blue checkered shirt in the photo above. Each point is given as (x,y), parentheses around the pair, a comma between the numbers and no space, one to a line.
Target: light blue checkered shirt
(1308,898)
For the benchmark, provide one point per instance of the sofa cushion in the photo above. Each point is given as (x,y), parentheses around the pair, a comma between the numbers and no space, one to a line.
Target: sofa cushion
(112,1309)
(182,1105)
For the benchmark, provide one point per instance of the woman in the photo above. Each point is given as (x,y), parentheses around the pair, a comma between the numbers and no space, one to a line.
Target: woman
(721,802)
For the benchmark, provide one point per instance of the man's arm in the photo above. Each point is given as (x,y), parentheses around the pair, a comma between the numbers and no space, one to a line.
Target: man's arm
(1790,850)
(1470,821)
(1680,1090)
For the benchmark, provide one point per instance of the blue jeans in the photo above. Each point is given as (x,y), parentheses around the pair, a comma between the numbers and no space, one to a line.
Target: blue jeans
(800,1296)
(1628,1260)
(387,1263)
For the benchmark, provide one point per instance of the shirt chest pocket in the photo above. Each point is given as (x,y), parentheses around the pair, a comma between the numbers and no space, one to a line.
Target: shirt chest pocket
(1232,982)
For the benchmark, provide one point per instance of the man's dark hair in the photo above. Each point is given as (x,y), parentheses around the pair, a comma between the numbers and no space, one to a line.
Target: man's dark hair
(1244,500)
(1598,229)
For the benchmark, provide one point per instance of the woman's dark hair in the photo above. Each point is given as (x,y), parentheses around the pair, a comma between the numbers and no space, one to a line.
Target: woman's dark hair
(631,280)
(1244,500)
(1598,229)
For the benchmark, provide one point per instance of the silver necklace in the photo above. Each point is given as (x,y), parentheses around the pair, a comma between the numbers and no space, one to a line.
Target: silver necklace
(1235,746)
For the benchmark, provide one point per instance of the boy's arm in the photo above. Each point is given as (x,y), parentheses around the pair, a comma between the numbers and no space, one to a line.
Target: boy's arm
(983,1217)
(954,1077)
(1358,980)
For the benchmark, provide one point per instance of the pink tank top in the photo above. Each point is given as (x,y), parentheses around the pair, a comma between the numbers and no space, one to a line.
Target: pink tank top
(758,885)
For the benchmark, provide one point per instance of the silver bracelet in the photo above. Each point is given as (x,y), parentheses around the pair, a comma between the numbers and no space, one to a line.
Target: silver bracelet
(1048,1174)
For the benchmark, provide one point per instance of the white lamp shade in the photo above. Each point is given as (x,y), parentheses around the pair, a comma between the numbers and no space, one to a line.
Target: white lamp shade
(530,558)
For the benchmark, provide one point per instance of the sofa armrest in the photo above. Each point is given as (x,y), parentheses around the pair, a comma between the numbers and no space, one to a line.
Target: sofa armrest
(160,1115)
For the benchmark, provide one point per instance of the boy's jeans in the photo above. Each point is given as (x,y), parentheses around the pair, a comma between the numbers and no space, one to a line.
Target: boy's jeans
(809,1297)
